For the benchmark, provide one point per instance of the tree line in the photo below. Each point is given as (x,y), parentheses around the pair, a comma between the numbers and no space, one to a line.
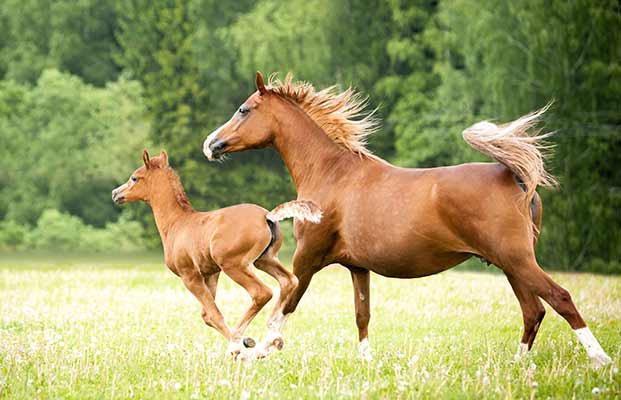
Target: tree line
(86,85)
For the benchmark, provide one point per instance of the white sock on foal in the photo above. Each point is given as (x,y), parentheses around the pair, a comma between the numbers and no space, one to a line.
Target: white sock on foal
(598,356)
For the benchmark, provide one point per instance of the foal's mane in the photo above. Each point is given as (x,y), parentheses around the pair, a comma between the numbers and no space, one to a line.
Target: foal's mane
(177,188)
(340,114)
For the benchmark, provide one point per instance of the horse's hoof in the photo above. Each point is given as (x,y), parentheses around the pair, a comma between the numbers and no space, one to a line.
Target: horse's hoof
(600,360)
(278,343)
(249,342)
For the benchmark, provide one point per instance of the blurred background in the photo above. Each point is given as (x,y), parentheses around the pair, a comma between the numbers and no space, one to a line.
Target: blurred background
(87,84)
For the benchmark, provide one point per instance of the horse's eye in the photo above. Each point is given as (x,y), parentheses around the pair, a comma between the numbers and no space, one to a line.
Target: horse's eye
(244,110)
(134,179)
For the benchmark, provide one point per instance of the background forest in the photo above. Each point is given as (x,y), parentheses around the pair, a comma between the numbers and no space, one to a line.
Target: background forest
(87,84)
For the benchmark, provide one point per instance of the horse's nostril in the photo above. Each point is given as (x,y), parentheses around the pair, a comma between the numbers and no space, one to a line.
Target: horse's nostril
(217,145)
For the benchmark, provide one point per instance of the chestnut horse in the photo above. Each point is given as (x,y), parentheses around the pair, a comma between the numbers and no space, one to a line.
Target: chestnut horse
(403,222)
(198,245)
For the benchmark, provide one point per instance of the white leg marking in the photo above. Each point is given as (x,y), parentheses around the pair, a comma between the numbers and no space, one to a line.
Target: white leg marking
(270,343)
(522,351)
(364,350)
(598,356)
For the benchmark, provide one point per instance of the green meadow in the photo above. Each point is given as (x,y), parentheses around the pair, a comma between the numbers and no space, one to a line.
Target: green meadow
(121,329)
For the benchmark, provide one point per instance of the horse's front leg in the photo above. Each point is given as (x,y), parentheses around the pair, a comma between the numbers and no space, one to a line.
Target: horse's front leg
(361,279)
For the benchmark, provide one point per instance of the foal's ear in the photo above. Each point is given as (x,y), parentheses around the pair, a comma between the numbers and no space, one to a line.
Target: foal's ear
(260,84)
(164,157)
(145,159)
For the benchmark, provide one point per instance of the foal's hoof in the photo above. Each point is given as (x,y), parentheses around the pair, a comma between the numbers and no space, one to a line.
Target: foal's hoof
(249,342)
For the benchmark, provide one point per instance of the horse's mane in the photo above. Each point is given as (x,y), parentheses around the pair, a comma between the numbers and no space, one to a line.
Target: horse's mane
(340,114)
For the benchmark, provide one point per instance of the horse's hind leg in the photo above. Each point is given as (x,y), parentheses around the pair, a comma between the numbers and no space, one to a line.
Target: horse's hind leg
(533,312)
(287,282)
(361,280)
(532,276)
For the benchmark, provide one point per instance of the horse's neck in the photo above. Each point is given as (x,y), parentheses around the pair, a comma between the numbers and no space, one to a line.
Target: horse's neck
(166,210)
(309,154)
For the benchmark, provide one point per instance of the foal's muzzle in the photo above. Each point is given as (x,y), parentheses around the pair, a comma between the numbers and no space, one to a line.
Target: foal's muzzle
(117,196)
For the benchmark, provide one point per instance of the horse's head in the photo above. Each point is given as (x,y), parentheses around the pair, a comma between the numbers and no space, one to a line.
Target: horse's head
(251,126)
(138,186)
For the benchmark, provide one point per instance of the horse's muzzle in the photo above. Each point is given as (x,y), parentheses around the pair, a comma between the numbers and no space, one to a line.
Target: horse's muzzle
(215,149)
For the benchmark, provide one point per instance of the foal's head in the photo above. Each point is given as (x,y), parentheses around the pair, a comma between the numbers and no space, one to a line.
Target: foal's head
(251,126)
(143,180)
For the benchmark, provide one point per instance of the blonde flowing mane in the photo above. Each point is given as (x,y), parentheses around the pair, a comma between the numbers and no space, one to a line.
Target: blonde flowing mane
(340,114)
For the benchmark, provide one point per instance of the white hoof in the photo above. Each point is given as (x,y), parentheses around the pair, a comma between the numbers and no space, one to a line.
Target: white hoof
(600,360)
(364,350)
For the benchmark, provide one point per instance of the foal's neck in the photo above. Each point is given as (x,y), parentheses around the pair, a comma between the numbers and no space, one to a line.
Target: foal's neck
(309,154)
(169,203)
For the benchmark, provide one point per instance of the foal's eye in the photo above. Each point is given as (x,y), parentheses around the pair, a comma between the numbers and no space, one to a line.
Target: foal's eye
(134,179)
(243,110)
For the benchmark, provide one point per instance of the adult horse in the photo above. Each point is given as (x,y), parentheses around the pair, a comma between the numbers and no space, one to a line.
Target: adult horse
(402,222)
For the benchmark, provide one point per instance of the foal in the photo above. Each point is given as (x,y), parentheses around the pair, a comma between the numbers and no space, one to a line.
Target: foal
(198,245)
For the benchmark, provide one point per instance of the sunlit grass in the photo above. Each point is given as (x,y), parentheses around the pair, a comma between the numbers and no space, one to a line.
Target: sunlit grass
(130,330)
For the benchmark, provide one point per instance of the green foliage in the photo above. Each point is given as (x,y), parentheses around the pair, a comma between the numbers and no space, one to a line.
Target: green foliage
(169,72)
(63,232)
(72,36)
(66,144)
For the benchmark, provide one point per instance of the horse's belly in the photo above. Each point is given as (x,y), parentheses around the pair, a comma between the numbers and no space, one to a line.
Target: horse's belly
(413,266)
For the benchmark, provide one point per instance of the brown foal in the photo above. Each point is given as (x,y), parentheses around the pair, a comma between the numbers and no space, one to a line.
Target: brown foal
(403,222)
(198,245)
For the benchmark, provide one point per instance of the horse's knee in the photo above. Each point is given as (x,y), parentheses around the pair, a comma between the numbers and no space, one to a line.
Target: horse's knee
(562,299)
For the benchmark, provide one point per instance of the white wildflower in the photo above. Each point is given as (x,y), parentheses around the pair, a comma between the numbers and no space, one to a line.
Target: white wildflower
(596,391)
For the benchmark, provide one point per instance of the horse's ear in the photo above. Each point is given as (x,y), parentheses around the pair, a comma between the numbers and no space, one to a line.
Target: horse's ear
(164,157)
(145,159)
(260,84)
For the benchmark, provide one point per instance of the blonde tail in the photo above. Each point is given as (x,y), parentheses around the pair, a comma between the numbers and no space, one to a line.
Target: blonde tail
(511,145)
(304,210)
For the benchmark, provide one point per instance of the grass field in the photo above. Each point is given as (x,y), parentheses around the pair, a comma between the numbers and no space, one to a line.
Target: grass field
(129,329)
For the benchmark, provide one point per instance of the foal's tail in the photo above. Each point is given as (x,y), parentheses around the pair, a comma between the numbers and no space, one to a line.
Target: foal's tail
(511,144)
(304,210)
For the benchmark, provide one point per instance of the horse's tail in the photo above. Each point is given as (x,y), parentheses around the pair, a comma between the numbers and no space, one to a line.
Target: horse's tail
(511,145)
(304,210)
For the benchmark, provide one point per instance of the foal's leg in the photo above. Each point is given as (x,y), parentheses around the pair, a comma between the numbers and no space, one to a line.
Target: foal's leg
(361,279)
(534,277)
(533,312)
(287,282)
(258,291)
(212,283)
(211,314)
